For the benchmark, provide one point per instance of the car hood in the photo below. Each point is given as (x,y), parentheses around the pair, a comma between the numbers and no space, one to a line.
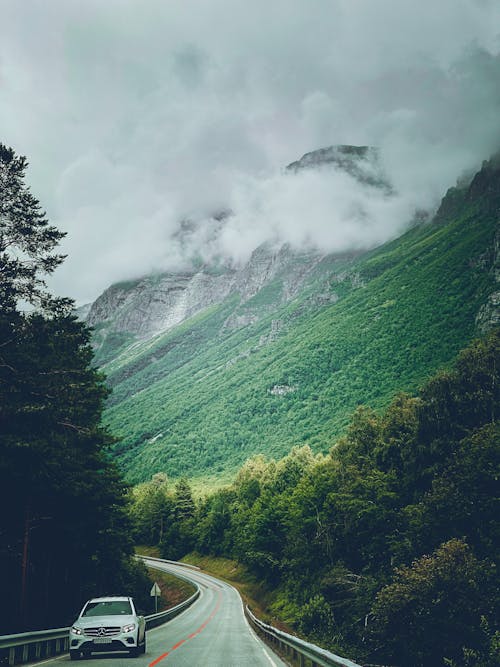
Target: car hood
(106,621)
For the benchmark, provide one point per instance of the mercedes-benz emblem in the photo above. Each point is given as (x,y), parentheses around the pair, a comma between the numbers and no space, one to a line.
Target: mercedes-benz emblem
(101,632)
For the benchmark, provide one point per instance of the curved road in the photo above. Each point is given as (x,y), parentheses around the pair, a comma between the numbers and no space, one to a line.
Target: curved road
(213,632)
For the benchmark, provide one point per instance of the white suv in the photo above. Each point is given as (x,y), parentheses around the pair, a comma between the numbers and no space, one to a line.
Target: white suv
(105,625)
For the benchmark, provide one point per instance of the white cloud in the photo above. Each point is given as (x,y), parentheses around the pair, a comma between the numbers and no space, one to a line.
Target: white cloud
(136,115)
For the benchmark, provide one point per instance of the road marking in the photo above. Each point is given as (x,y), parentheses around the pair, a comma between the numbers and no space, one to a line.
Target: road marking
(59,657)
(192,635)
(254,635)
(155,662)
(162,627)
(269,657)
(259,641)
(197,632)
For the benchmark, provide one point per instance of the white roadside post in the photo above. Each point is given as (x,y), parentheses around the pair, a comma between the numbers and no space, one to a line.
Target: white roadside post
(155,591)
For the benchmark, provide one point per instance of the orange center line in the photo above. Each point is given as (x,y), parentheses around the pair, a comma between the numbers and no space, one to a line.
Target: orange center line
(191,636)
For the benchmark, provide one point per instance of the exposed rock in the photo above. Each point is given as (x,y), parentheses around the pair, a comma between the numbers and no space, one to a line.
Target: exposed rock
(274,274)
(151,305)
(282,389)
(276,327)
(488,316)
(361,162)
(264,264)
(82,312)
(236,321)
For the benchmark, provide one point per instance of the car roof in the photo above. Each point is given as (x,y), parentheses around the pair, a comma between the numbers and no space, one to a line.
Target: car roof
(111,598)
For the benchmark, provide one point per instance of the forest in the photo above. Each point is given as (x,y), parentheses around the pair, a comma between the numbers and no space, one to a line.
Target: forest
(64,530)
(386,548)
(198,399)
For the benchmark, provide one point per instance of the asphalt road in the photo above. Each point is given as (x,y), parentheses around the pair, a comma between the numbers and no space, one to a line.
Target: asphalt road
(213,632)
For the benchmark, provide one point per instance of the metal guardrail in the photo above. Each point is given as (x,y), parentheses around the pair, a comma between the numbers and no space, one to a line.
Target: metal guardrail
(163,616)
(297,650)
(171,562)
(32,646)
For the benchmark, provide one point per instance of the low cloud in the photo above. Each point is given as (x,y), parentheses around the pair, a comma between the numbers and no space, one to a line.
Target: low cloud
(139,117)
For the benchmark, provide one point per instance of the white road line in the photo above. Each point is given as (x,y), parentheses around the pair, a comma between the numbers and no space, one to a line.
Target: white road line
(254,634)
(269,657)
(45,662)
(251,630)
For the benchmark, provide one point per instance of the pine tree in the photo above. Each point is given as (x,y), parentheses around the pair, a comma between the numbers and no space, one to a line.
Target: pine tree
(27,240)
(64,517)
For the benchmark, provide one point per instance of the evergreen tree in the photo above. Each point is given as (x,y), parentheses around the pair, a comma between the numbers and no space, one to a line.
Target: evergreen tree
(343,541)
(27,240)
(64,527)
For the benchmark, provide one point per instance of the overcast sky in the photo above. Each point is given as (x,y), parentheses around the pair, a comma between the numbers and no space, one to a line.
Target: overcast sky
(135,115)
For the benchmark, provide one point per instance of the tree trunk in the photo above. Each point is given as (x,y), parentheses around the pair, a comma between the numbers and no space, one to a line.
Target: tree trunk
(25,561)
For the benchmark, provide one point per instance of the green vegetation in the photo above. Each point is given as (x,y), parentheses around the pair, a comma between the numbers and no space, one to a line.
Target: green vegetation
(254,592)
(64,534)
(386,548)
(173,590)
(197,400)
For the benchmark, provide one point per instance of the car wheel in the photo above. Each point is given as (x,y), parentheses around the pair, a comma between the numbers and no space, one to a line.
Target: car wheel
(74,655)
(143,650)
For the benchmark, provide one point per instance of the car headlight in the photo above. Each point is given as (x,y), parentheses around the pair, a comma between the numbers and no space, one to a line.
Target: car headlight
(76,631)
(129,628)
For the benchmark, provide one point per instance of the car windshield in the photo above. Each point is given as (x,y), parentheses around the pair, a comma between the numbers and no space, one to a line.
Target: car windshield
(108,608)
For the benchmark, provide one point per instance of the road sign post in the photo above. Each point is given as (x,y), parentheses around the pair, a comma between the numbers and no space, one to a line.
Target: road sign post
(155,592)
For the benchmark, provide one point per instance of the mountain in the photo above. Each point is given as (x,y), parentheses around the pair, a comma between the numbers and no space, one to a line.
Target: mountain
(153,304)
(216,364)
(360,162)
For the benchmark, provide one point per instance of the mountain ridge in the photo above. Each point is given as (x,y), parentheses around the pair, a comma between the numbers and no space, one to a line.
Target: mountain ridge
(146,306)
(264,373)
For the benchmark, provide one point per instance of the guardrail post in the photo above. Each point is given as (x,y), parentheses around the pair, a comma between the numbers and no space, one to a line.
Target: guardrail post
(12,655)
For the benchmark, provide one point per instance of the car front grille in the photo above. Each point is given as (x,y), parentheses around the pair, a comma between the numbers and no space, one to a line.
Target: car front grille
(102,631)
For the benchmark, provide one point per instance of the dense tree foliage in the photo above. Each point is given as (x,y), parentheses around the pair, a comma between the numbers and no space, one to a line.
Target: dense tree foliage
(200,397)
(27,241)
(64,526)
(387,549)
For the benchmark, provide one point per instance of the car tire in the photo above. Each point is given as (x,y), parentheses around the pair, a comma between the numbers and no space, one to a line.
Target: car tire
(143,649)
(75,655)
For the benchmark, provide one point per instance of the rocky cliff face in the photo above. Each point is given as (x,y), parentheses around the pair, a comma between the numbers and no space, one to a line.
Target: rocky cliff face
(489,314)
(158,303)
(146,307)
(155,304)
(274,274)
(360,162)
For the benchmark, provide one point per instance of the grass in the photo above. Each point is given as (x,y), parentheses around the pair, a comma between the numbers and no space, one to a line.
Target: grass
(173,590)
(196,401)
(253,592)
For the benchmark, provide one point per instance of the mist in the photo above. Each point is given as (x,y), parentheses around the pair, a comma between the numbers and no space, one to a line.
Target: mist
(144,121)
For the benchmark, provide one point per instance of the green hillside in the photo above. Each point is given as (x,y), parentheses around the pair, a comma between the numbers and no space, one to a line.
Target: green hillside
(200,399)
